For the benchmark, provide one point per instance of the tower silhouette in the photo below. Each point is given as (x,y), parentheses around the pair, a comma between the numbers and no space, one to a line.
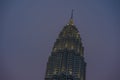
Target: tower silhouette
(66,61)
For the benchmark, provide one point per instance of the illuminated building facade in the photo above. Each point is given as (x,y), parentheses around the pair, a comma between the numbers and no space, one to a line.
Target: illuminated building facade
(66,61)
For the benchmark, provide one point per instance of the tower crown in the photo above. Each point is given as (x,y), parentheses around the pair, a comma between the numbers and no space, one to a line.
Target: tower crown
(69,39)
(70,30)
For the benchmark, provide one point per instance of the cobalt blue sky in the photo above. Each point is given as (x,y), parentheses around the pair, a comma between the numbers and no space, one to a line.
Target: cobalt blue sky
(29,29)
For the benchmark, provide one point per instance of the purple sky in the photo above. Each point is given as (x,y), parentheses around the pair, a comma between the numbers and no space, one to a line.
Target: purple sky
(30,27)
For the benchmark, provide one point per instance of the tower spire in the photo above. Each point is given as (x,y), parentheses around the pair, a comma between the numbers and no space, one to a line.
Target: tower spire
(71,18)
(72,14)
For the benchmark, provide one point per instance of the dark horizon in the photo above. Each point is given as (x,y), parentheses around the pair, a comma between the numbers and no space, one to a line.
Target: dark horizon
(29,29)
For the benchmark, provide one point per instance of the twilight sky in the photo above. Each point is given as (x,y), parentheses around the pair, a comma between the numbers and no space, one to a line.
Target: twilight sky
(29,29)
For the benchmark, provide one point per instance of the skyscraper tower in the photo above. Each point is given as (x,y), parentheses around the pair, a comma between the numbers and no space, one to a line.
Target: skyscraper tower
(66,61)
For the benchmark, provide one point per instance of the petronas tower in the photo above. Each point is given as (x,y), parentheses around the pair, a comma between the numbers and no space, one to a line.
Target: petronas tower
(66,61)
